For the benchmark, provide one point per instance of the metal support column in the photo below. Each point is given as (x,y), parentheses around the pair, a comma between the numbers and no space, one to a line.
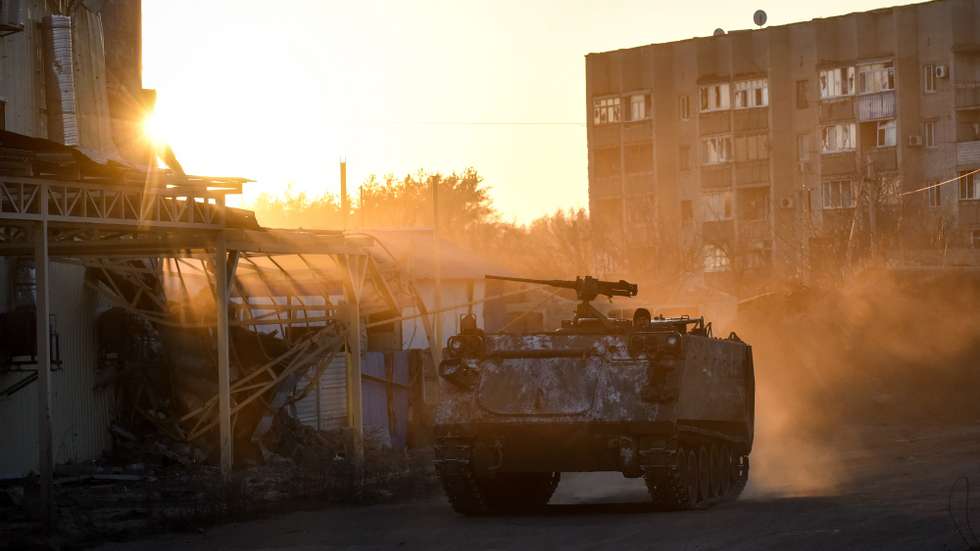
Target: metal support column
(45,450)
(224,372)
(356,269)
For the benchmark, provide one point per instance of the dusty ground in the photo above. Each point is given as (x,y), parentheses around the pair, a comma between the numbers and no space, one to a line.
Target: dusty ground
(890,490)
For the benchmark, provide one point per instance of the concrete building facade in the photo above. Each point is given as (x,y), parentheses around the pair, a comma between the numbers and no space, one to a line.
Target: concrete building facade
(765,151)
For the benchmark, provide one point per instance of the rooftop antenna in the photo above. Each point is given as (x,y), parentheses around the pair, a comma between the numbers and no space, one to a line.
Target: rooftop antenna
(759,17)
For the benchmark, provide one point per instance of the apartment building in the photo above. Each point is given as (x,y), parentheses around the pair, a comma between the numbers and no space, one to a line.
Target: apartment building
(766,151)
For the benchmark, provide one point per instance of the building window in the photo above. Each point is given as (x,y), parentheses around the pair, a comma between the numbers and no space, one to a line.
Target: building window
(975,239)
(839,137)
(639,107)
(684,157)
(715,259)
(929,78)
(638,158)
(929,133)
(803,147)
(606,111)
(753,204)
(3,115)
(716,150)
(751,93)
(687,212)
(717,206)
(969,186)
(685,107)
(886,134)
(802,99)
(607,162)
(752,148)
(935,196)
(835,83)
(876,77)
(838,194)
(715,97)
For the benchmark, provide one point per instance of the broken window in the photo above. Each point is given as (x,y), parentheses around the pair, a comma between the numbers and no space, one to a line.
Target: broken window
(752,148)
(929,133)
(876,77)
(838,194)
(751,93)
(839,137)
(753,204)
(886,134)
(716,150)
(715,97)
(607,162)
(935,196)
(639,158)
(969,186)
(606,110)
(715,259)
(837,82)
(717,206)
(929,78)
(803,147)
(685,107)
(802,99)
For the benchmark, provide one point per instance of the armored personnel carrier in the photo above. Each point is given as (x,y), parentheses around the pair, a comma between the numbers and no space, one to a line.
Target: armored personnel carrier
(657,398)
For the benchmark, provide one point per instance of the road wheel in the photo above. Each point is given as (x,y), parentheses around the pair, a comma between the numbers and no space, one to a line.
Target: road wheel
(704,474)
(722,470)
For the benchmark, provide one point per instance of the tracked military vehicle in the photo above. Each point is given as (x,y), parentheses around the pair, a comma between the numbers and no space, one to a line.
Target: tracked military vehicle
(657,398)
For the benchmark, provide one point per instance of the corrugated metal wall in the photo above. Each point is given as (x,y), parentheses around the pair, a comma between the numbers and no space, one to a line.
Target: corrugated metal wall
(332,397)
(80,413)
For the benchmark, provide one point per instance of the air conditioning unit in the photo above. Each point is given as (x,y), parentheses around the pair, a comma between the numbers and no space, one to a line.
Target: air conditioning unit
(942,71)
(915,141)
(786,203)
(11,20)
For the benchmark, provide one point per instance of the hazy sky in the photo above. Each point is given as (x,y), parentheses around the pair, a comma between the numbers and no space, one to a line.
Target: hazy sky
(280,91)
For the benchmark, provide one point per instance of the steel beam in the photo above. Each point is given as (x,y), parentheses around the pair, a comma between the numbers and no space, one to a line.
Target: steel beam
(221,276)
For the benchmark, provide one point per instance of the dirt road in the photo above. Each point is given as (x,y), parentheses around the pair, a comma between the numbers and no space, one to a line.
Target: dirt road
(890,491)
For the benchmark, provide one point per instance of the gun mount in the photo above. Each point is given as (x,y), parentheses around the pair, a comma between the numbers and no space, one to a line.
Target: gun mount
(586,288)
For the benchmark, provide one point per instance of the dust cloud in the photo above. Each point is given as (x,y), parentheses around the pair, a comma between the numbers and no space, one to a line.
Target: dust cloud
(833,364)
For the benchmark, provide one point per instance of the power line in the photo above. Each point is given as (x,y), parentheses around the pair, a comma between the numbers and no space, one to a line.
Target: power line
(961,176)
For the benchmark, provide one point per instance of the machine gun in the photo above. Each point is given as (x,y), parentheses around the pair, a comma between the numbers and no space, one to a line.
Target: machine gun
(586,289)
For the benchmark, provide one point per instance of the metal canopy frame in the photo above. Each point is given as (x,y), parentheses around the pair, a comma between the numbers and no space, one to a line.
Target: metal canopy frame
(117,227)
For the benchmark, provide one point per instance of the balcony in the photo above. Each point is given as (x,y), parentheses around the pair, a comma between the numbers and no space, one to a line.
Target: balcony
(638,183)
(967,94)
(837,109)
(838,163)
(883,159)
(716,177)
(968,153)
(715,123)
(876,106)
(752,172)
(602,188)
(751,119)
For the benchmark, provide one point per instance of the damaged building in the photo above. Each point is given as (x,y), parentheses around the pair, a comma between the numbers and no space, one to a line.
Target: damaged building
(779,152)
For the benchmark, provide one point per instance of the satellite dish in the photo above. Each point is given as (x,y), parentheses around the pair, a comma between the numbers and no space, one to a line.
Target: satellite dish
(719,31)
(759,17)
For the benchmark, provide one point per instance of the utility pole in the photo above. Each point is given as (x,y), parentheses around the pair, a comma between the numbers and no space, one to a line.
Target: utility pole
(43,352)
(436,342)
(344,202)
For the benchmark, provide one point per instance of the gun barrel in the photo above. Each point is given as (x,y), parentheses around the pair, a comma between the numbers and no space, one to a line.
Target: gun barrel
(551,282)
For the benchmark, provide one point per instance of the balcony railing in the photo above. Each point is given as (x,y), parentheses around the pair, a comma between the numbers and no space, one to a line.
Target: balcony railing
(876,106)
(968,153)
(967,94)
